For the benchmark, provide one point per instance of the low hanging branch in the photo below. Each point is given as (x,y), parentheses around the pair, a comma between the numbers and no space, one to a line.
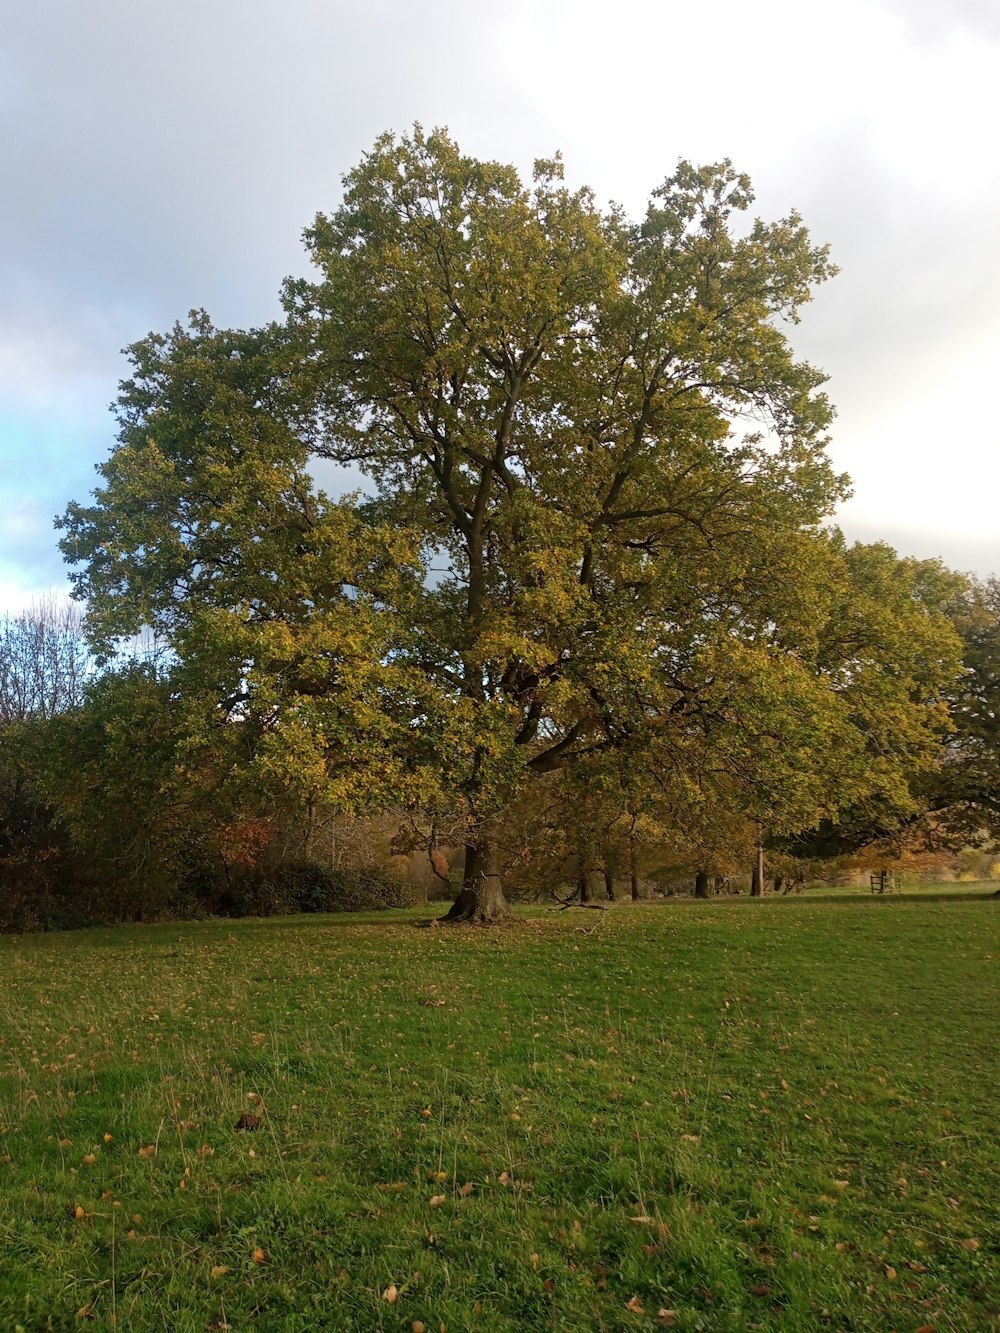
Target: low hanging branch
(566,903)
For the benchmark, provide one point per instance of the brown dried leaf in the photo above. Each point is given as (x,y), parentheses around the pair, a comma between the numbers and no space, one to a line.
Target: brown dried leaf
(391,1293)
(466,1189)
(258,1256)
(437,1200)
(970,1244)
(149,1151)
(635,1305)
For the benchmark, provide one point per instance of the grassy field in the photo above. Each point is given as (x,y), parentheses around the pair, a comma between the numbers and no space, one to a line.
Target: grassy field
(723,1116)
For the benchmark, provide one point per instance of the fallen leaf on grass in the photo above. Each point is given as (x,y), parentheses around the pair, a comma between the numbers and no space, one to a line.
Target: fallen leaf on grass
(926,1328)
(643,1220)
(79,1213)
(391,1293)
(418,1327)
(667,1318)
(466,1189)
(970,1244)
(258,1256)
(220,1270)
(635,1305)
(437,1200)
(149,1151)
(392,1187)
(890,1272)
(89,1159)
(248,1121)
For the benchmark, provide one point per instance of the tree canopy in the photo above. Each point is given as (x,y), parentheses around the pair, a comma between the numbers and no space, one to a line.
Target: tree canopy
(591,530)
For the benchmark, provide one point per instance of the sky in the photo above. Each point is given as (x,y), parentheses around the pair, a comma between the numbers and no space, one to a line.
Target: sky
(161,157)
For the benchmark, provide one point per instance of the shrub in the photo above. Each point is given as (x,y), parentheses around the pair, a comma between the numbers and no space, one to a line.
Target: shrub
(318,889)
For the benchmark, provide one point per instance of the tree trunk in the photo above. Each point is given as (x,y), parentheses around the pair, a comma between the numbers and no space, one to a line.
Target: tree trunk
(481,898)
(701,884)
(584,888)
(757,882)
(609,885)
(633,871)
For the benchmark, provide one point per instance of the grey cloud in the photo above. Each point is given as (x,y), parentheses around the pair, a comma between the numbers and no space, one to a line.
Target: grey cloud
(169,156)
(930,20)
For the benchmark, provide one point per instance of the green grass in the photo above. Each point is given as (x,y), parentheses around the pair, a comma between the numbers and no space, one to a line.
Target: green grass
(756,1115)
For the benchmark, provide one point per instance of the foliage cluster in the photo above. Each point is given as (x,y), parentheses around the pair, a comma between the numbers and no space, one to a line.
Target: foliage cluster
(306,886)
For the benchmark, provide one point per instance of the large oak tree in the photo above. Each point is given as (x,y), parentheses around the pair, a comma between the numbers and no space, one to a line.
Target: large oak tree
(595,473)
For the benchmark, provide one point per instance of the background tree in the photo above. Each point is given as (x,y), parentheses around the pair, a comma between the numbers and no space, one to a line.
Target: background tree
(963,792)
(44,666)
(890,652)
